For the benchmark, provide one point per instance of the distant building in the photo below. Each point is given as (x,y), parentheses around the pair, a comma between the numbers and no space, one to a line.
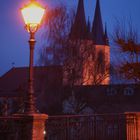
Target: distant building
(51,94)
(14,86)
(93,49)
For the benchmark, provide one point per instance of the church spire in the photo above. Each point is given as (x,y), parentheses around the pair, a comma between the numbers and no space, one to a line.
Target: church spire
(78,29)
(106,35)
(88,30)
(97,27)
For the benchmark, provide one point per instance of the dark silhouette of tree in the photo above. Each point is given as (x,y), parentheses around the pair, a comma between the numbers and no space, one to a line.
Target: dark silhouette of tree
(56,32)
(125,36)
(76,104)
(81,62)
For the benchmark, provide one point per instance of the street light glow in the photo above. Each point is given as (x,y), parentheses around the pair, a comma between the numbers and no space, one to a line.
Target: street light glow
(32,13)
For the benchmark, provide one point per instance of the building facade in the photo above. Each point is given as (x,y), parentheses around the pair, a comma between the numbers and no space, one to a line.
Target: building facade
(90,61)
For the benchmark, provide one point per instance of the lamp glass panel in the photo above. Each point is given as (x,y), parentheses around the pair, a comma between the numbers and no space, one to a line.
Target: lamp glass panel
(32,13)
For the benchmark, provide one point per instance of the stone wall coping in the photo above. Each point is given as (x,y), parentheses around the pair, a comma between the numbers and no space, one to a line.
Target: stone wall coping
(35,116)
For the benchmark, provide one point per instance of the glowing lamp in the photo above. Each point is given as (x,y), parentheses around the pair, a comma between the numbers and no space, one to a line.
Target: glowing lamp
(32,14)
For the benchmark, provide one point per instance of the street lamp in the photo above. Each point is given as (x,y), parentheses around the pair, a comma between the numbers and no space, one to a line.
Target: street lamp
(32,14)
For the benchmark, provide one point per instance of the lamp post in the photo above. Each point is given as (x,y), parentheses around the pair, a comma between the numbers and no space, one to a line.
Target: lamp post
(34,123)
(32,14)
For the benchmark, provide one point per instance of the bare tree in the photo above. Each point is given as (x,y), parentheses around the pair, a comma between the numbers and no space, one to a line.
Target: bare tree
(84,65)
(125,36)
(56,32)
(76,104)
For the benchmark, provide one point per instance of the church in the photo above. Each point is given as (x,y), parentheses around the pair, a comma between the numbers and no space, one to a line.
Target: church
(84,78)
(93,48)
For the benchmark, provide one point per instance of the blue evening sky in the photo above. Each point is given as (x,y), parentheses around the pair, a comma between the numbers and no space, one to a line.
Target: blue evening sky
(14,39)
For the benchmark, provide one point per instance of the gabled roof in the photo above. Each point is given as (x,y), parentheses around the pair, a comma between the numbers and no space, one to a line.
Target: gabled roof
(108,98)
(97,27)
(79,27)
(17,78)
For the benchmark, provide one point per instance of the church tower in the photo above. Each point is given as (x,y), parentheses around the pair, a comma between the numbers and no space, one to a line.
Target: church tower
(79,27)
(90,53)
(102,49)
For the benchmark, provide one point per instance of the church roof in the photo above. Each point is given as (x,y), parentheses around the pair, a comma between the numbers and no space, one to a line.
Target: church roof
(79,27)
(97,27)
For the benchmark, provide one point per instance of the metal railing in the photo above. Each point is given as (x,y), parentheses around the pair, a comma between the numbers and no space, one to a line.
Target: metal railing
(91,127)
(8,128)
(78,127)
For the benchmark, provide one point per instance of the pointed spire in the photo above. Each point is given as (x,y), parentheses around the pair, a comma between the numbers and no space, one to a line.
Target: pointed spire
(88,25)
(88,29)
(79,30)
(97,27)
(106,35)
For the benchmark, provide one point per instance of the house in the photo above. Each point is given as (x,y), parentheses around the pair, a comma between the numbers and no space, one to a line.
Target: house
(91,44)
(14,83)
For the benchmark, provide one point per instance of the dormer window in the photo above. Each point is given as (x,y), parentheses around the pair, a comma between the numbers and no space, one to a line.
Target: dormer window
(111,91)
(128,91)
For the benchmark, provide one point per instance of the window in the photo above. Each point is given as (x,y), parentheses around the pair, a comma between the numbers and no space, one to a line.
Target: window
(128,91)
